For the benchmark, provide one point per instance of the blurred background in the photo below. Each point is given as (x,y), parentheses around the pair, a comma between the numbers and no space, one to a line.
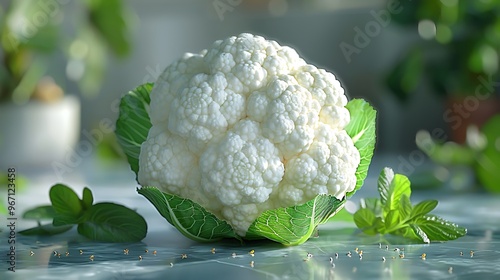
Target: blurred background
(429,67)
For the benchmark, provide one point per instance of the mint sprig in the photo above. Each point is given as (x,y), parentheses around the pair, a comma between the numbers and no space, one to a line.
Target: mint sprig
(104,221)
(393,213)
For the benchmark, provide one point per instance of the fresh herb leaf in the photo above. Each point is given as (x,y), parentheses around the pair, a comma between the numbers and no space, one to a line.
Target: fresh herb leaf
(361,129)
(399,217)
(62,220)
(87,198)
(438,229)
(112,222)
(65,201)
(423,208)
(45,230)
(416,232)
(384,183)
(43,213)
(392,220)
(107,222)
(400,186)
(405,207)
(40,213)
(373,204)
(364,219)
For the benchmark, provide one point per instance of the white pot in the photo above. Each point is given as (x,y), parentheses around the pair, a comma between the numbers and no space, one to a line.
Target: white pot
(38,133)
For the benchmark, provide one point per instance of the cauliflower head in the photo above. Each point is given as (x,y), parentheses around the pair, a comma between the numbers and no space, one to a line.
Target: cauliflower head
(246,126)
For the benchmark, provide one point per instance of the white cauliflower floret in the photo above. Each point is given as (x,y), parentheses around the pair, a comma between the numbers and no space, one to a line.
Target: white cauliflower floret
(243,167)
(248,126)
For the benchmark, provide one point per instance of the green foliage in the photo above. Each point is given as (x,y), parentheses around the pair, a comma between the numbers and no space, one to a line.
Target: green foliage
(133,123)
(109,18)
(464,47)
(487,166)
(66,203)
(111,222)
(393,213)
(404,78)
(288,226)
(191,219)
(481,152)
(361,129)
(46,212)
(101,26)
(295,225)
(106,222)
(87,198)
(46,230)
(449,153)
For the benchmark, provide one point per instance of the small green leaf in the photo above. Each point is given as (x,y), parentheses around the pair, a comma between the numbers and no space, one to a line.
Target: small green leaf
(392,220)
(63,220)
(295,225)
(384,183)
(423,208)
(364,219)
(399,217)
(65,201)
(379,225)
(87,198)
(373,204)
(406,231)
(405,207)
(45,230)
(111,222)
(417,233)
(191,219)
(438,229)
(361,129)
(133,123)
(400,186)
(40,213)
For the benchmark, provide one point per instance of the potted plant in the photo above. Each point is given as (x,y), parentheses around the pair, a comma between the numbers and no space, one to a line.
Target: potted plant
(457,54)
(39,123)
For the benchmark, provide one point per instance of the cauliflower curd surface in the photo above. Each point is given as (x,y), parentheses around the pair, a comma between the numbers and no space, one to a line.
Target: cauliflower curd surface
(248,126)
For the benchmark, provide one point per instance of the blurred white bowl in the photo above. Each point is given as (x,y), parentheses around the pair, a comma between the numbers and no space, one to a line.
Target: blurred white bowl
(38,133)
